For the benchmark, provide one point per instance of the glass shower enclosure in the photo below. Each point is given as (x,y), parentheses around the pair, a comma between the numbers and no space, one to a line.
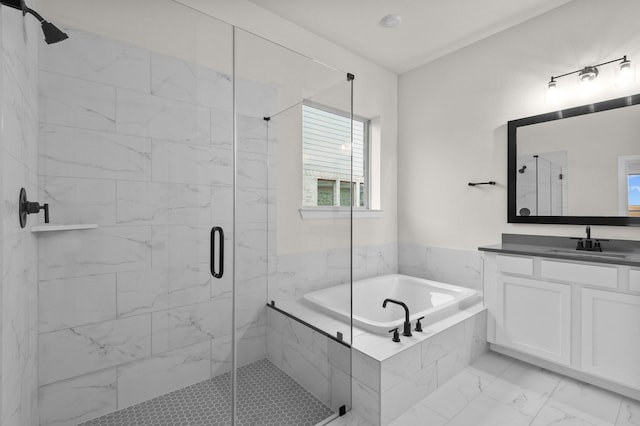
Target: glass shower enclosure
(187,298)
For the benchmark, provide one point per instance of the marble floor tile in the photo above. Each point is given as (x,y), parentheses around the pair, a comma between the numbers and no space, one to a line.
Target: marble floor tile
(629,414)
(524,400)
(350,419)
(549,416)
(450,398)
(491,365)
(497,390)
(531,377)
(420,415)
(486,411)
(586,401)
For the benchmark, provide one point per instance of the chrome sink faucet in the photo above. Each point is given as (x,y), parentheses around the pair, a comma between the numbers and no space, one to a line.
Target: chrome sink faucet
(407,323)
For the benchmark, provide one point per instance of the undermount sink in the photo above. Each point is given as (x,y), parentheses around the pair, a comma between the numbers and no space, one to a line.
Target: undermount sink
(587,253)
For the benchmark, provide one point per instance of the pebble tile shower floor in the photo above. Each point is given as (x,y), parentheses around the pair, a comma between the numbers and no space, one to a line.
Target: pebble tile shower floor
(266,396)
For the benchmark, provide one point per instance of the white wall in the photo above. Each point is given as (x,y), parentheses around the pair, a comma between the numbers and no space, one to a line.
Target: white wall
(375,87)
(453,114)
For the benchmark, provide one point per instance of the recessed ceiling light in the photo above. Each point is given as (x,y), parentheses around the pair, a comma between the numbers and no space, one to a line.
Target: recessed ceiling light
(391,20)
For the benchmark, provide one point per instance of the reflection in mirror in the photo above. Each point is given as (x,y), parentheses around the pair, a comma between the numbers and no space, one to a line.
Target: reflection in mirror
(580,165)
(542,184)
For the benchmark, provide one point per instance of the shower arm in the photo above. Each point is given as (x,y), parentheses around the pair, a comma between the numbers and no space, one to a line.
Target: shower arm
(52,34)
(20,5)
(34,13)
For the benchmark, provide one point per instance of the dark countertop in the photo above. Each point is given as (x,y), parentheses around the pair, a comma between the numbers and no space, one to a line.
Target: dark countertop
(615,252)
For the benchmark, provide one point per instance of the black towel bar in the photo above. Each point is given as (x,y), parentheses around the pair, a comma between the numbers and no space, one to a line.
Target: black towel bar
(482,183)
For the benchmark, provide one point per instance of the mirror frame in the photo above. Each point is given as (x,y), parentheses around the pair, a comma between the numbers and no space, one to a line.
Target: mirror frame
(512,128)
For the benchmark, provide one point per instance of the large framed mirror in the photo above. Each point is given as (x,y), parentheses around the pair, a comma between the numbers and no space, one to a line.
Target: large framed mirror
(576,166)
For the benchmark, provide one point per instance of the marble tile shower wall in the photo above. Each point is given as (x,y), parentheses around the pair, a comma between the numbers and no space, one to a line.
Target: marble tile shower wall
(141,144)
(18,250)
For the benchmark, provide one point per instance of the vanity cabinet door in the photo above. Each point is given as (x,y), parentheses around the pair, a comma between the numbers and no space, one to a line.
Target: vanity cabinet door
(534,317)
(611,336)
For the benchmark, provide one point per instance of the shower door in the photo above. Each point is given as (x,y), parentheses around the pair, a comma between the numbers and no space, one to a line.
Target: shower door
(281,255)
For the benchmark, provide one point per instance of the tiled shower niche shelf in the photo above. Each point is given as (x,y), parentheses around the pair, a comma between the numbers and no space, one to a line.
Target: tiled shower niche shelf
(55,228)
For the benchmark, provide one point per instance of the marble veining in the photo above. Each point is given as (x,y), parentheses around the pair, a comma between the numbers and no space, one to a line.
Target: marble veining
(81,398)
(78,350)
(91,57)
(176,79)
(146,115)
(69,102)
(72,152)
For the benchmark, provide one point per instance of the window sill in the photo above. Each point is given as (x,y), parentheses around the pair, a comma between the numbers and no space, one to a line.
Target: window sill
(338,213)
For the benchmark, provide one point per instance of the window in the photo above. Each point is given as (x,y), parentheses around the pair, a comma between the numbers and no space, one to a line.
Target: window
(326,192)
(629,185)
(326,168)
(633,189)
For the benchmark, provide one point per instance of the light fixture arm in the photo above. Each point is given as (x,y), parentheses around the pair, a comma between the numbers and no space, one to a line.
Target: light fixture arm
(555,77)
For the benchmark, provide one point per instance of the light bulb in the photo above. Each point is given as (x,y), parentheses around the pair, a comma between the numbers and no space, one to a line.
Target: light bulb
(625,72)
(553,92)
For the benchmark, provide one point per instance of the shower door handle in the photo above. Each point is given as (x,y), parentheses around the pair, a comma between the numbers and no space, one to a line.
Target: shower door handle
(217,230)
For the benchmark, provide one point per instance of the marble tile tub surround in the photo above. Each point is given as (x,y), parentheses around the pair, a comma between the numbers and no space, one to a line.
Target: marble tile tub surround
(448,265)
(18,247)
(140,144)
(320,364)
(389,378)
(300,273)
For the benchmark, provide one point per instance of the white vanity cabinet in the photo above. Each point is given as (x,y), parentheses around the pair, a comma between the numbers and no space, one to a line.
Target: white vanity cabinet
(534,317)
(579,318)
(611,336)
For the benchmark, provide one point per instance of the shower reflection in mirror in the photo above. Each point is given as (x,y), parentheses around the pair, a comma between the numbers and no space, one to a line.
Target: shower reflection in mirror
(541,184)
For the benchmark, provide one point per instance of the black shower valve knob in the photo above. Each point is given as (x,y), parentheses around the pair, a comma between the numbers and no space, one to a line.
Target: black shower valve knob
(26,207)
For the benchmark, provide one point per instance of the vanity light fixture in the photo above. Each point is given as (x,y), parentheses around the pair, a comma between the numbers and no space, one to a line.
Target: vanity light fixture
(589,73)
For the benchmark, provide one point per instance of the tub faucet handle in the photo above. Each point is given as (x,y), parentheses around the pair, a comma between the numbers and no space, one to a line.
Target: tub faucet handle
(418,325)
(396,335)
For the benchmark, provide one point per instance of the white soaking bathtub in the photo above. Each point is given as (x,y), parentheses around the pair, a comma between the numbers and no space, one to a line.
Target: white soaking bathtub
(425,298)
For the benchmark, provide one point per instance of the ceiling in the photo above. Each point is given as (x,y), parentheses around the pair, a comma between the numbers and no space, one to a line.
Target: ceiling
(429,28)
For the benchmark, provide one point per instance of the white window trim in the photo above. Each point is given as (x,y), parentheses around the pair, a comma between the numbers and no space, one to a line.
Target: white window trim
(336,212)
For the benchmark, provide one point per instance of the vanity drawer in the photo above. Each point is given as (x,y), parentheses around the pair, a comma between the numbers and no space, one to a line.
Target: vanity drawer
(515,264)
(634,280)
(580,273)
